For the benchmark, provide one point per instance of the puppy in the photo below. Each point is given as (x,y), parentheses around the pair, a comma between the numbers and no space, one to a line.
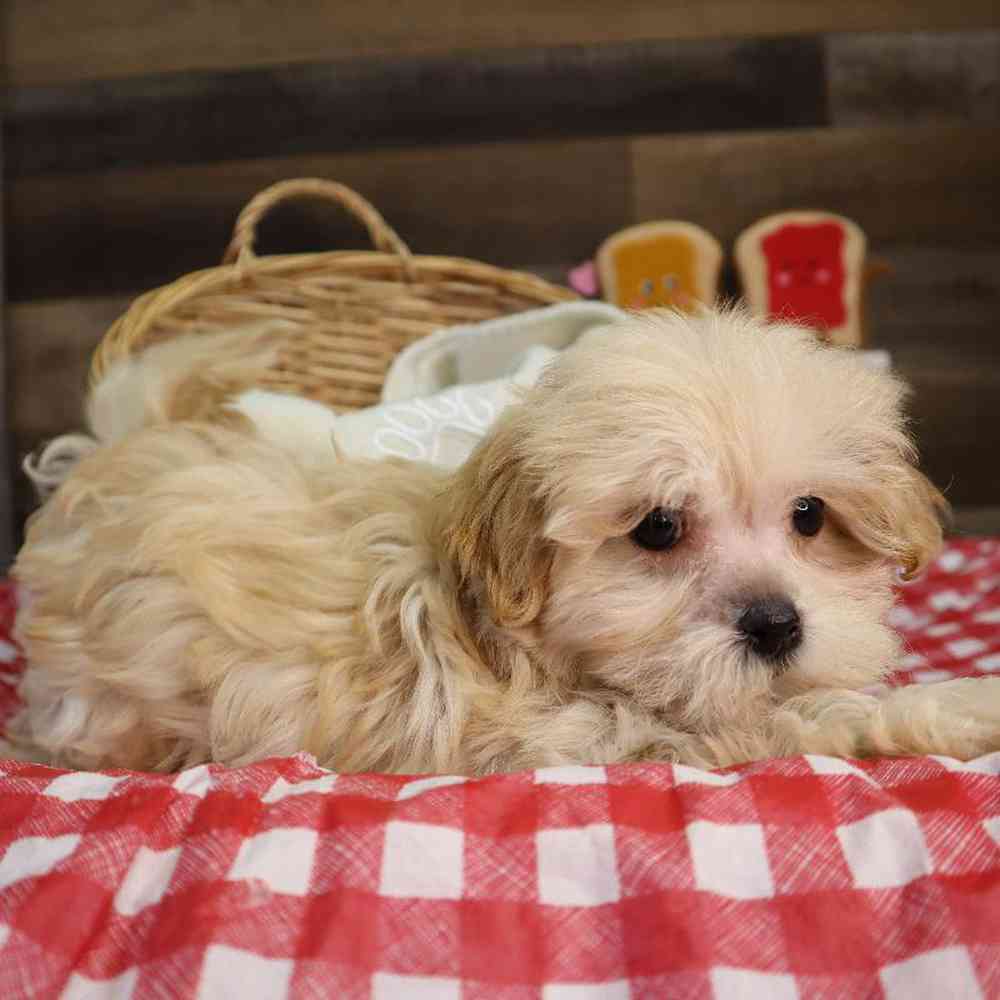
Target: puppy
(680,546)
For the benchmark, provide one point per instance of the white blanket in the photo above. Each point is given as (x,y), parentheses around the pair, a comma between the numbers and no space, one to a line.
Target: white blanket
(442,393)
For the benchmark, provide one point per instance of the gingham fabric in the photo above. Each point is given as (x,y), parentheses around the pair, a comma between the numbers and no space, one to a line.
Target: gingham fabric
(805,877)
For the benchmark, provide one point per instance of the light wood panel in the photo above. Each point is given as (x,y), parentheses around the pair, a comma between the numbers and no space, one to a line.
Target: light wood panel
(66,40)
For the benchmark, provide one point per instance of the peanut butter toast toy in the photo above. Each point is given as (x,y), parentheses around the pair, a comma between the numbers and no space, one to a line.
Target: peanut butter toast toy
(658,264)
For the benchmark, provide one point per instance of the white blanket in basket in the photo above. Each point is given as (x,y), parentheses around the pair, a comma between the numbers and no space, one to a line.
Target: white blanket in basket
(442,393)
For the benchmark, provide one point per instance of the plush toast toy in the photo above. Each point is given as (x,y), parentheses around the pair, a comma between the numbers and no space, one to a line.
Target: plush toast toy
(807,267)
(659,264)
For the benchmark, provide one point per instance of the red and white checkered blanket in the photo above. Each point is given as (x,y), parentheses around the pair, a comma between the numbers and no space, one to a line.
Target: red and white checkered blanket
(805,877)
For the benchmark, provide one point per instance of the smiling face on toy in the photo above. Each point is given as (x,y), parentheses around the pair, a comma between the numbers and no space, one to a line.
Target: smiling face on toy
(805,273)
(656,272)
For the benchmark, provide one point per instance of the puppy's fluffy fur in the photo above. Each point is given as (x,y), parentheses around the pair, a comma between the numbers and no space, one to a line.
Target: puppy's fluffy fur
(199,591)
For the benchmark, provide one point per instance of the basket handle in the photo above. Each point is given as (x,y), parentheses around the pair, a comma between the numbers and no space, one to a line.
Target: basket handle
(383,236)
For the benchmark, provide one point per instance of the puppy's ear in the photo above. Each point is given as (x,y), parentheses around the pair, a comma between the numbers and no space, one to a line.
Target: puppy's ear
(926,533)
(900,518)
(495,530)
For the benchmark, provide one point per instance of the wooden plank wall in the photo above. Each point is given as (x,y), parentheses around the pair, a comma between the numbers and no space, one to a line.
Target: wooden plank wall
(65,40)
(517,134)
(6,491)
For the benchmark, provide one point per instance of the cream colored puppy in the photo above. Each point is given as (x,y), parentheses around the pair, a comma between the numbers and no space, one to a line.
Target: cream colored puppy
(680,546)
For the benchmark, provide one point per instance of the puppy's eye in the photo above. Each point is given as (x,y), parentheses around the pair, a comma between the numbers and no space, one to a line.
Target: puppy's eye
(658,531)
(807,515)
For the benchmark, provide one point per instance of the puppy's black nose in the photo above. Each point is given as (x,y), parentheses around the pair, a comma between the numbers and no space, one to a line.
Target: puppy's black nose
(772,627)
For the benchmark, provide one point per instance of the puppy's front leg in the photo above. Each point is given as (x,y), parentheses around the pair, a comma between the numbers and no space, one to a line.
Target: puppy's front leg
(959,718)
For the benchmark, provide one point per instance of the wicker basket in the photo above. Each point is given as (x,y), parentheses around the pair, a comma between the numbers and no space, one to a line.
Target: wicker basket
(349,312)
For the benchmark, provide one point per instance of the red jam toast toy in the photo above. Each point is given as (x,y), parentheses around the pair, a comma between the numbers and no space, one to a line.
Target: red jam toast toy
(806,267)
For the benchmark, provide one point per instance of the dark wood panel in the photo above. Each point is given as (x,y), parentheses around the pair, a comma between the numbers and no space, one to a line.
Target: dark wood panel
(655,86)
(936,312)
(956,414)
(932,185)
(50,345)
(50,348)
(977,521)
(456,98)
(65,40)
(934,297)
(6,497)
(881,78)
(503,203)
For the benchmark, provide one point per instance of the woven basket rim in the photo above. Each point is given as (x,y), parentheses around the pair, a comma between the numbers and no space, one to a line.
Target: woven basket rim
(147,307)
(366,289)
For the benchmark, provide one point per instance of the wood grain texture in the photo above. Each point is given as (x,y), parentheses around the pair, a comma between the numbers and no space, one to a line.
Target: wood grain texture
(886,78)
(659,86)
(932,185)
(506,203)
(955,413)
(973,521)
(6,379)
(65,40)
(50,345)
(554,92)
(502,203)
(936,299)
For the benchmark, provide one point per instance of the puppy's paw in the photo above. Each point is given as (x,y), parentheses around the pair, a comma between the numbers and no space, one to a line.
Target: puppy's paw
(959,718)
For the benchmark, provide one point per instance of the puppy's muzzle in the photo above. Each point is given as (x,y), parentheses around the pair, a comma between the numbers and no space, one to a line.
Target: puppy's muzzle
(771,627)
